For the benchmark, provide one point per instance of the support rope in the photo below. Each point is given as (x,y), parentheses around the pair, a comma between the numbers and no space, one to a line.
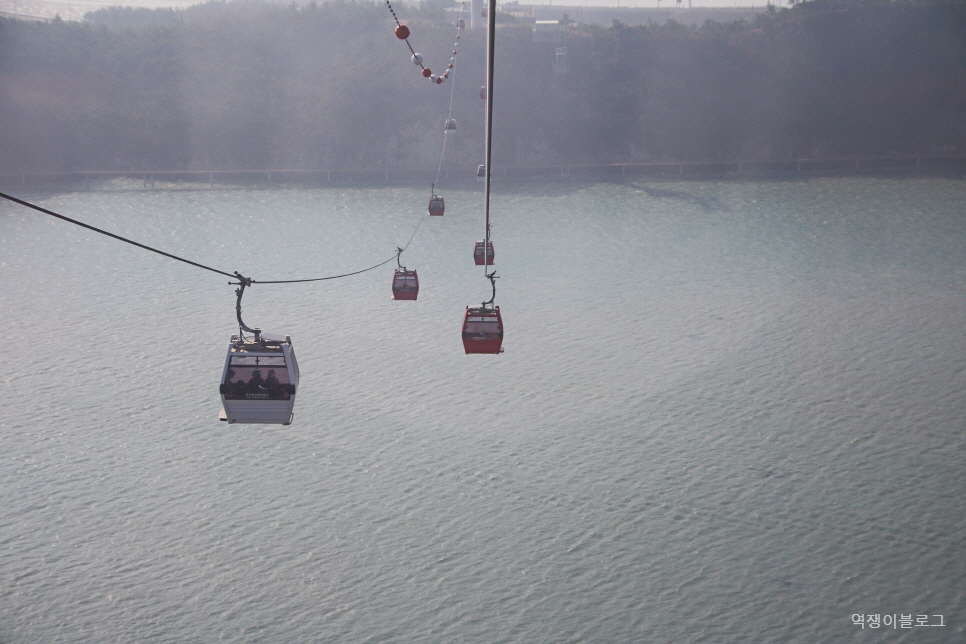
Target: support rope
(449,110)
(104,232)
(234,275)
(487,169)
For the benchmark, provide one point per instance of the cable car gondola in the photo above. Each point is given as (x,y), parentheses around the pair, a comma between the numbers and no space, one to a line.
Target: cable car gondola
(259,380)
(260,376)
(483,325)
(478,253)
(437,206)
(405,284)
(450,126)
(482,329)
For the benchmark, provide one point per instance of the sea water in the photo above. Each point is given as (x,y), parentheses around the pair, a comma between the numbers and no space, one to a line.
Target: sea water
(728,411)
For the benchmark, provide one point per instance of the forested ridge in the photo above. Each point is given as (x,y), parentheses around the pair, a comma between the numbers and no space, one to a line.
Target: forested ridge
(254,86)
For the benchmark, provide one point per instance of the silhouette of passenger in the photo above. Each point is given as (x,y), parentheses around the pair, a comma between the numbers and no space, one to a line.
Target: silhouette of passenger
(256,385)
(271,383)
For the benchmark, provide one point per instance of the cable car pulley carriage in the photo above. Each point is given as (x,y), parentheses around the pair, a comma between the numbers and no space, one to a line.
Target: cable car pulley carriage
(260,376)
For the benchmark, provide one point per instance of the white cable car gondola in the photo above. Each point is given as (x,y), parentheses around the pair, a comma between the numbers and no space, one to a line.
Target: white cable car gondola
(450,126)
(259,381)
(260,377)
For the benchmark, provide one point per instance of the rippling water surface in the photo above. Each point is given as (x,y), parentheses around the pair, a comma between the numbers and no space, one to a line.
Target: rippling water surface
(727,412)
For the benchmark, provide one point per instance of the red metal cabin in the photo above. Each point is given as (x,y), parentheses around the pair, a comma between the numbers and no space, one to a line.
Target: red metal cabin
(405,284)
(437,206)
(478,253)
(482,330)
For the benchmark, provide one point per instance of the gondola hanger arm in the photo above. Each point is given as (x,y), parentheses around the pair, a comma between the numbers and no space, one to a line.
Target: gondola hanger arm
(493,278)
(239,292)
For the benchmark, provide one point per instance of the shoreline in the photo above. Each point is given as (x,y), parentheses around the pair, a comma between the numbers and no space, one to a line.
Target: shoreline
(804,167)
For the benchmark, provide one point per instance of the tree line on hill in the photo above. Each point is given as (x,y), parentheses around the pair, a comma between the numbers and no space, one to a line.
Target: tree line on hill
(254,86)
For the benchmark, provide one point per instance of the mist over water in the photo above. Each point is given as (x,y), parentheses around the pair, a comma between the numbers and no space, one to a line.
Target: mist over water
(77,9)
(728,411)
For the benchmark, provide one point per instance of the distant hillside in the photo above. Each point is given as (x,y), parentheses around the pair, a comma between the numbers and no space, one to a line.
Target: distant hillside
(642,16)
(248,85)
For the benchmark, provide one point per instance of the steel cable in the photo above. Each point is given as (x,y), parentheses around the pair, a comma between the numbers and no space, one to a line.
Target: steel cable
(234,275)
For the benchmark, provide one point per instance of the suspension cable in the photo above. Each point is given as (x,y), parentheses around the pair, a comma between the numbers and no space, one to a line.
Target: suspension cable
(449,110)
(322,279)
(104,232)
(414,232)
(333,277)
(490,42)
(234,275)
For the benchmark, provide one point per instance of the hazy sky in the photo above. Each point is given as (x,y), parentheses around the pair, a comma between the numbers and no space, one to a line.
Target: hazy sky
(75,9)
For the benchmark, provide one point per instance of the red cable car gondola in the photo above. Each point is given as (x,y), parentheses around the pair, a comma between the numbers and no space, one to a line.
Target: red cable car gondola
(482,329)
(405,284)
(437,206)
(478,253)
